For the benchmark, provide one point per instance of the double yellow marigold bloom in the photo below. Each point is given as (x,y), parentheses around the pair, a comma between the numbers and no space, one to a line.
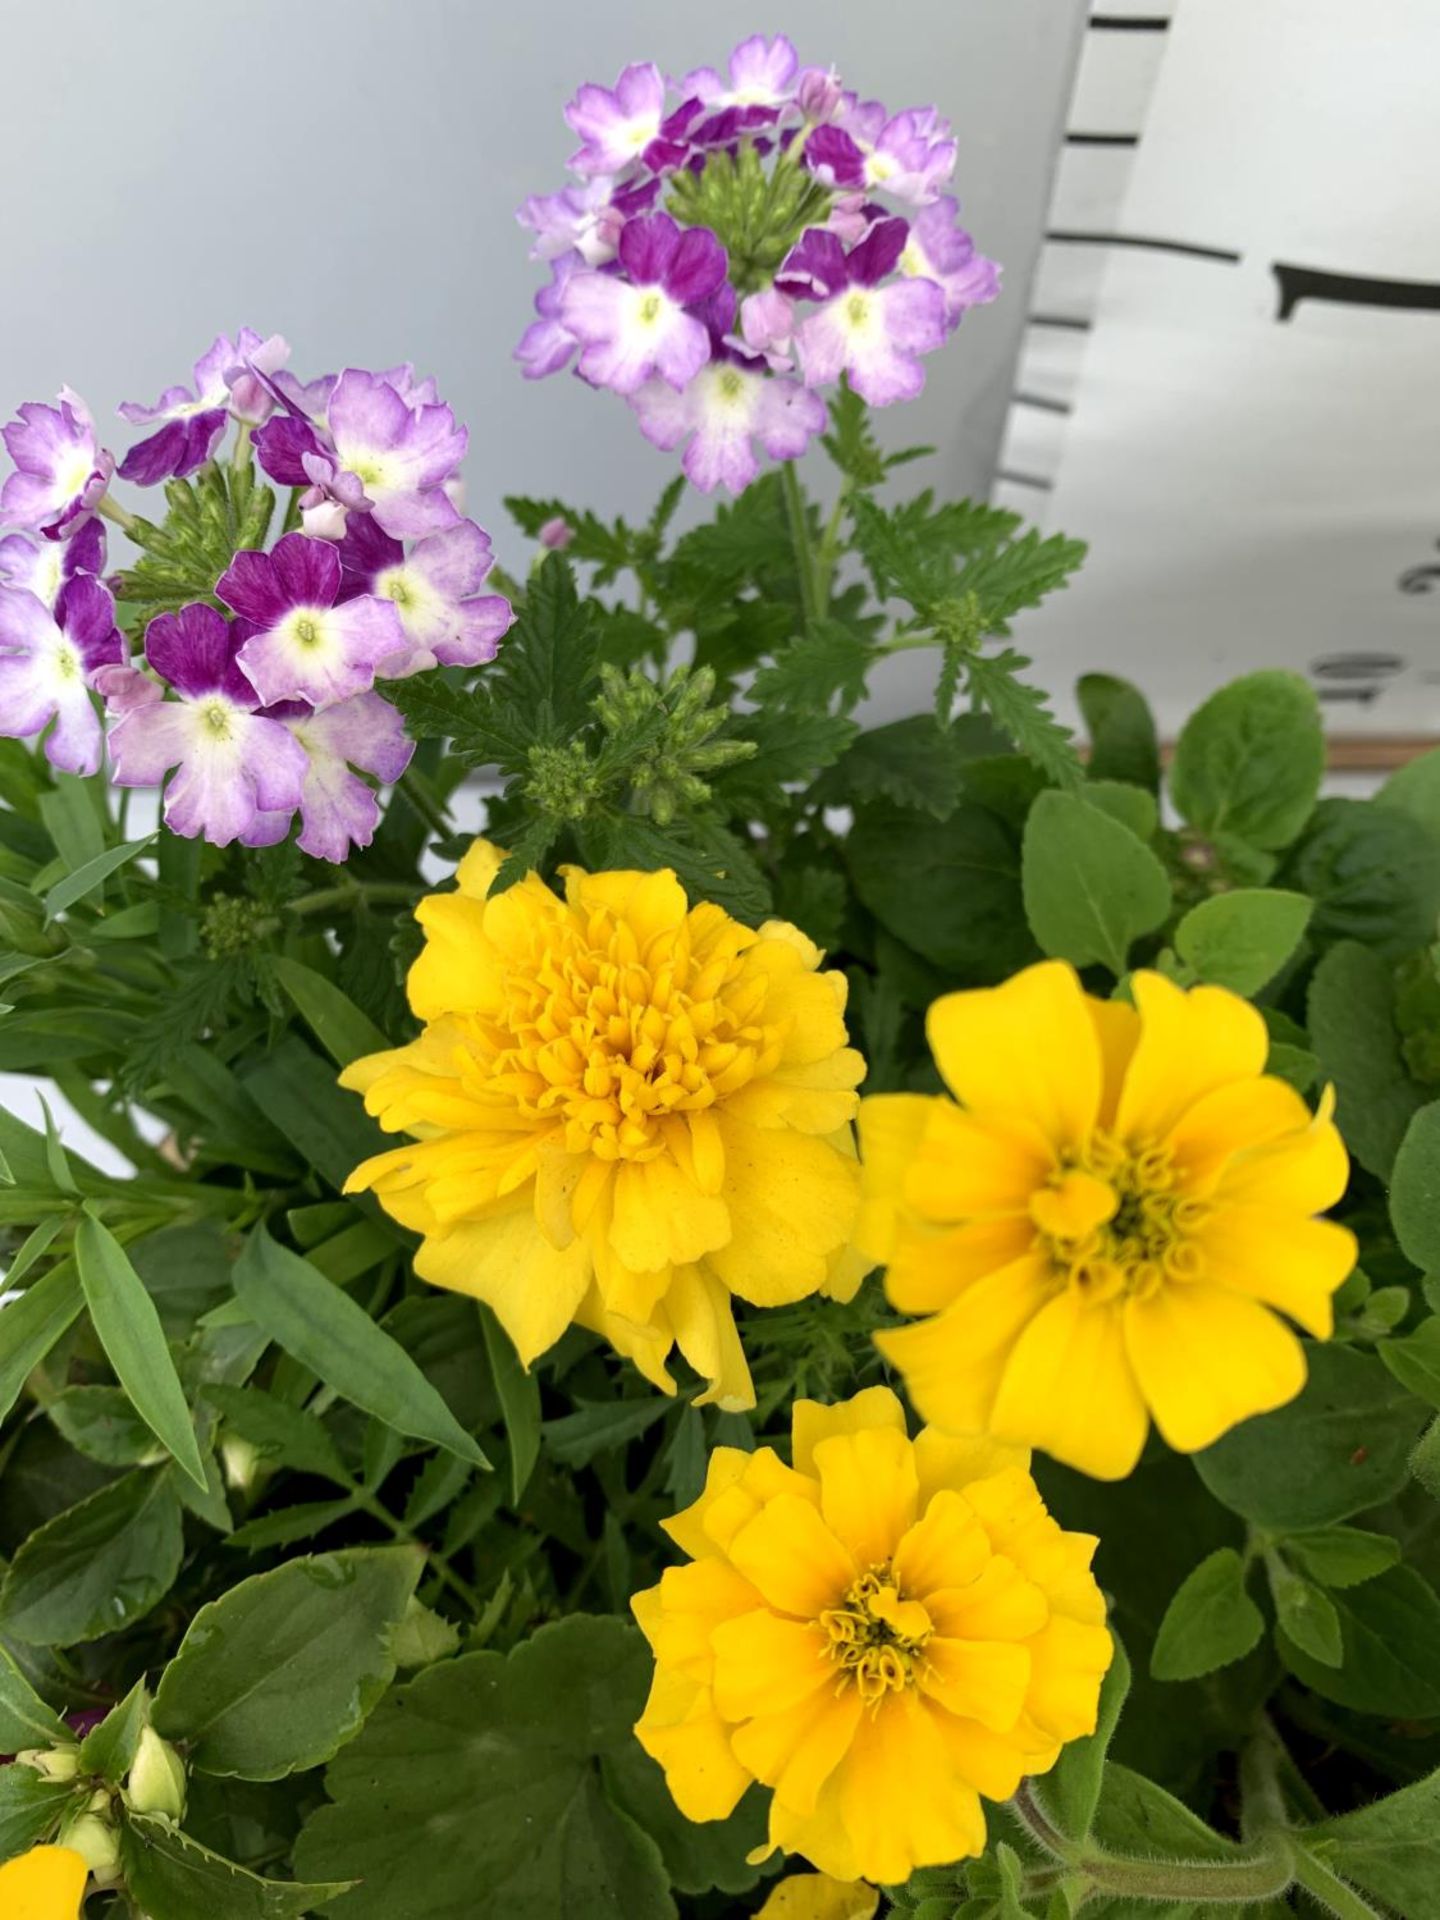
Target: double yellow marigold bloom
(47,1883)
(1106,1220)
(624,1110)
(881,1634)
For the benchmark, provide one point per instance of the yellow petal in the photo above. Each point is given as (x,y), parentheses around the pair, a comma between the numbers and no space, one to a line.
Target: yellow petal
(1190,1044)
(477,870)
(1236,1119)
(891,1126)
(533,1288)
(455,971)
(928,1270)
(651,903)
(705,1332)
(811,1422)
(816,1896)
(1291,1263)
(1305,1172)
(1117,1028)
(685,1610)
(1207,1358)
(868,1490)
(1000,1604)
(891,1805)
(946,1547)
(953,1364)
(789,1554)
(991,1763)
(682,1731)
(687,1528)
(1070,1389)
(47,1883)
(954,1461)
(796,1749)
(1068,1660)
(984,1680)
(661,1218)
(967,1165)
(791,1200)
(1028,1048)
(765,1663)
(1074,1206)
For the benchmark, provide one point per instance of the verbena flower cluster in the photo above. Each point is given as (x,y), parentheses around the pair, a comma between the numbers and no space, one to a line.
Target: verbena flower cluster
(730,248)
(258,701)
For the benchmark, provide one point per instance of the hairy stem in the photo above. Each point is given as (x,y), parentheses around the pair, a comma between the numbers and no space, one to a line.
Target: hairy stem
(1334,1894)
(830,547)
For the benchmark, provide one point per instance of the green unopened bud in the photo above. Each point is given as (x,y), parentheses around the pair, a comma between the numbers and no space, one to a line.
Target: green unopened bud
(56,1763)
(97,1842)
(422,1637)
(242,1461)
(157,1778)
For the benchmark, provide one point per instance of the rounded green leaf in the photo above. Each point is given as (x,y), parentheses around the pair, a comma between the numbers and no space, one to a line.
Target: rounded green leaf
(1242,939)
(1091,888)
(1415,1190)
(1249,762)
(506,1756)
(1342,1446)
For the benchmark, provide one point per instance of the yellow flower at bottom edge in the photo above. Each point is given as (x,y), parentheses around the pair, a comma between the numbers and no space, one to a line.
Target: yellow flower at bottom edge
(625,1109)
(881,1634)
(815,1896)
(1103,1225)
(48,1883)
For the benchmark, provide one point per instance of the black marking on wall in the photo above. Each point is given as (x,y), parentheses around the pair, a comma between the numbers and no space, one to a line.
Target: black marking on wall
(1102,139)
(1071,322)
(1024,479)
(1297,284)
(1068,237)
(1130,22)
(1424,579)
(1040,400)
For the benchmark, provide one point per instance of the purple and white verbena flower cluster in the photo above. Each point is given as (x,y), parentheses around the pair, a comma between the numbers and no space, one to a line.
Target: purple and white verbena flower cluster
(717,294)
(266,705)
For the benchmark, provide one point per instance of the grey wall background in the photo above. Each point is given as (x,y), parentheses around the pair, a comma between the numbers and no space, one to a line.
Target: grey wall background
(346,172)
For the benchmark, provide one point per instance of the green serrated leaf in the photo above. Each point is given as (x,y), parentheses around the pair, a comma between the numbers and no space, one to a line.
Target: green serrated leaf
(177,1879)
(1211,1621)
(1023,714)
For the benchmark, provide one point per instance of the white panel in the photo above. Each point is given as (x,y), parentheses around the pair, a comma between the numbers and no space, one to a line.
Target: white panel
(1253,489)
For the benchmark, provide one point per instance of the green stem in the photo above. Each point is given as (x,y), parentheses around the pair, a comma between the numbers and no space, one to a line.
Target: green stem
(830,546)
(240,452)
(112,510)
(417,793)
(1259,1875)
(800,541)
(1337,1896)
(353,893)
(436,1560)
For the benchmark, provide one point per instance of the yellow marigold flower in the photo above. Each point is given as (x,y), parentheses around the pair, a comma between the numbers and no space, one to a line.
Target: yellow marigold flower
(815,1896)
(625,1109)
(48,1883)
(881,1633)
(1102,1224)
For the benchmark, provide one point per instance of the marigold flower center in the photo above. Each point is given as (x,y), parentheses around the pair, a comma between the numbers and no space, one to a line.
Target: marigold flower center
(1115,1220)
(615,1043)
(876,1638)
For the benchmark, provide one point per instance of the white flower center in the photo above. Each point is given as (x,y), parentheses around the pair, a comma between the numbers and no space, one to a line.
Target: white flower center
(67,662)
(72,476)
